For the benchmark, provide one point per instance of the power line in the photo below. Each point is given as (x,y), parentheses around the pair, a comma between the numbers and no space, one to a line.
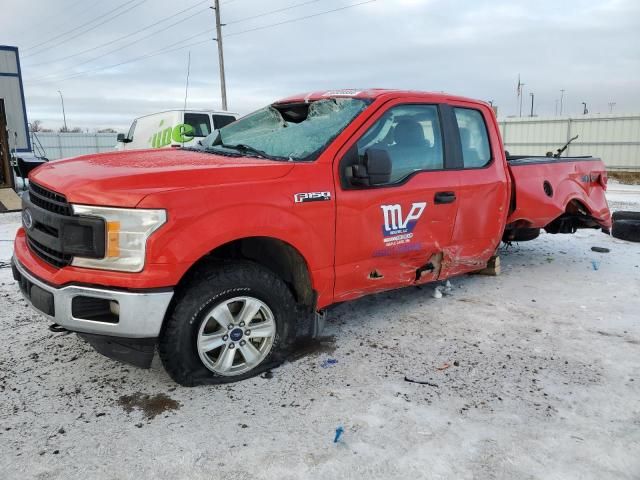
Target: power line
(136,59)
(78,74)
(88,29)
(48,62)
(111,42)
(233,34)
(76,28)
(35,27)
(272,12)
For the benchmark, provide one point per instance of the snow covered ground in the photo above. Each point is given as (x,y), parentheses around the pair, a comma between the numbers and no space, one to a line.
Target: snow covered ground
(534,374)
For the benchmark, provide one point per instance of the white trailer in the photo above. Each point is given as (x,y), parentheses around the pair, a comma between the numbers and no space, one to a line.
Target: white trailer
(21,158)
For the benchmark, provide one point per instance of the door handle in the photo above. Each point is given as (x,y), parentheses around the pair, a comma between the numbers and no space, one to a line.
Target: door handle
(444,197)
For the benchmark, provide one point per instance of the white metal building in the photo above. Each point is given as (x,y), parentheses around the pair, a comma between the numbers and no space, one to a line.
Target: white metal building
(613,137)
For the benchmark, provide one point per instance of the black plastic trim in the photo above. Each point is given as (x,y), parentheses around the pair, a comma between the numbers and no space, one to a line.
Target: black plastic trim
(524,161)
(134,351)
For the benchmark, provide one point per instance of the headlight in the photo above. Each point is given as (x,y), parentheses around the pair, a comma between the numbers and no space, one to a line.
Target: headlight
(127,231)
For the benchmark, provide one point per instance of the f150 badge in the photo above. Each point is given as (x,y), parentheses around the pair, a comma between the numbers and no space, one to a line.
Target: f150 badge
(312,197)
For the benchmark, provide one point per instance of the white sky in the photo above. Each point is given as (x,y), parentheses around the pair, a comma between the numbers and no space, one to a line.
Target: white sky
(591,49)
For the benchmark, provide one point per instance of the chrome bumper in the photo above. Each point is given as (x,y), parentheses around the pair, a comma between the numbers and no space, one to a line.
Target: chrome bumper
(140,314)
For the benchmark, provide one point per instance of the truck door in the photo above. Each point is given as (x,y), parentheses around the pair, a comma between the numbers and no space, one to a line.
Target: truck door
(391,235)
(483,190)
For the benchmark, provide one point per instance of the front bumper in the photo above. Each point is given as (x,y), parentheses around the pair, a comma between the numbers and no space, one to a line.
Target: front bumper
(140,314)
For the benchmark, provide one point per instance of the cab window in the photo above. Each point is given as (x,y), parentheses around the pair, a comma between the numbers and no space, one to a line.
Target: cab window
(411,136)
(220,121)
(200,123)
(473,138)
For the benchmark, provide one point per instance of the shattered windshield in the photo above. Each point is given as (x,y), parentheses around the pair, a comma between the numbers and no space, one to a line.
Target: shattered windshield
(287,132)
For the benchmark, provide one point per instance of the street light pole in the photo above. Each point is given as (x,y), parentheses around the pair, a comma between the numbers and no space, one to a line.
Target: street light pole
(223,83)
(64,116)
(584,110)
(561,98)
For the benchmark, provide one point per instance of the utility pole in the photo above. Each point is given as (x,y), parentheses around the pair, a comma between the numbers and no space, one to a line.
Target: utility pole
(561,98)
(64,116)
(531,103)
(611,105)
(521,95)
(223,83)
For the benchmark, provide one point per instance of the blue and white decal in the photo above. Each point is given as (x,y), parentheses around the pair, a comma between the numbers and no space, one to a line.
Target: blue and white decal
(397,228)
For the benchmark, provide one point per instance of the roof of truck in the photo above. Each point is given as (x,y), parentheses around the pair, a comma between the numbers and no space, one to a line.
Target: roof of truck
(189,110)
(373,93)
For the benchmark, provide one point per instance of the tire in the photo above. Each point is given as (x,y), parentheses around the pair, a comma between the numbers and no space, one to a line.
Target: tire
(622,215)
(626,230)
(193,326)
(521,235)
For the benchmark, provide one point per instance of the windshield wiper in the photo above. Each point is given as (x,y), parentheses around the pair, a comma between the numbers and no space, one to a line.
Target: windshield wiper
(244,148)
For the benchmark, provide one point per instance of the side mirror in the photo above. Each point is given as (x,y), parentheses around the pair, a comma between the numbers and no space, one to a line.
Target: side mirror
(122,138)
(375,169)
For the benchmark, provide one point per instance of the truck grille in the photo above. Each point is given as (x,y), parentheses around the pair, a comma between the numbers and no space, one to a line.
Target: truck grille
(49,255)
(48,200)
(55,203)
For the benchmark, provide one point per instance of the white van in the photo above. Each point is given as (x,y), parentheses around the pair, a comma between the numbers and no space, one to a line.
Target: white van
(172,128)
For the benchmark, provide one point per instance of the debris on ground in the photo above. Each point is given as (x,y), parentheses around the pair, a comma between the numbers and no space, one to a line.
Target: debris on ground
(339,432)
(443,367)
(437,292)
(329,362)
(595,264)
(420,382)
(600,249)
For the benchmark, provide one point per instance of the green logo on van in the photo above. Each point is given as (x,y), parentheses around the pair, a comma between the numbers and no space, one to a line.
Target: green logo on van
(182,133)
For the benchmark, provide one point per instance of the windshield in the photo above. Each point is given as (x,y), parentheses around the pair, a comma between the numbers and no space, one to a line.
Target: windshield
(289,132)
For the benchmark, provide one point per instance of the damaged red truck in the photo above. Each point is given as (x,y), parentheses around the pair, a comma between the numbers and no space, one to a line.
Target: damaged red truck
(223,255)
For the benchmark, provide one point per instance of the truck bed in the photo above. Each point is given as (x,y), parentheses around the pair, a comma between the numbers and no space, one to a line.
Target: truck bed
(560,194)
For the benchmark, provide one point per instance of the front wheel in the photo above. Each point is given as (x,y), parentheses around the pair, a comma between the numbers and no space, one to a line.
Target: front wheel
(232,323)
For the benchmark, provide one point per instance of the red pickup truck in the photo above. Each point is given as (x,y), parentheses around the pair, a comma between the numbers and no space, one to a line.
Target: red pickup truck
(222,256)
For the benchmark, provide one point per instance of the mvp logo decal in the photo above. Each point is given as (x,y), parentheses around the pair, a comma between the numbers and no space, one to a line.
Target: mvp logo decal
(397,229)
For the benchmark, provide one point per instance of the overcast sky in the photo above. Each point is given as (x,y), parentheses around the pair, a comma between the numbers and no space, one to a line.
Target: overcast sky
(477,48)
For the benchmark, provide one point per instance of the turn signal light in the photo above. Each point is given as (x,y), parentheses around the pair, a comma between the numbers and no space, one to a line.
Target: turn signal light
(113,239)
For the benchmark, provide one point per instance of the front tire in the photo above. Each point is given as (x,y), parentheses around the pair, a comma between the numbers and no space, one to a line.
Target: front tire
(230,322)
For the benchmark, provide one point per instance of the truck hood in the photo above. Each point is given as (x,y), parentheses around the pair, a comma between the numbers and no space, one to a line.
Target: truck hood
(123,179)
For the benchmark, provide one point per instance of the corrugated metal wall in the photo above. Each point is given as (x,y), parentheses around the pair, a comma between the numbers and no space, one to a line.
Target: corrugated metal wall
(614,138)
(64,145)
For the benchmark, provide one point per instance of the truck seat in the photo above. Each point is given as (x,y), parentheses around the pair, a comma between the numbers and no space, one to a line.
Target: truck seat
(411,151)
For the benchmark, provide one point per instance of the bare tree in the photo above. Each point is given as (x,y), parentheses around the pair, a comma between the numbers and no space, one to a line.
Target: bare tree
(36,126)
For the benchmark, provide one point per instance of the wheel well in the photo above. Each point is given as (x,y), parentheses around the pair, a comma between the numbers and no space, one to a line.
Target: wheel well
(576,216)
(272,253)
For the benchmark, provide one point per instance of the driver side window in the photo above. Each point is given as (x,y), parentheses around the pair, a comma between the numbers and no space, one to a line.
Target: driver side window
(411,136)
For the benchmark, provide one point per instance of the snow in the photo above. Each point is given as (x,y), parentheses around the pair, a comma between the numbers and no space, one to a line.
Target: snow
(536,374)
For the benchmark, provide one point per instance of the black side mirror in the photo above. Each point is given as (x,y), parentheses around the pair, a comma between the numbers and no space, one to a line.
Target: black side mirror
(122,138)
(374,170)
(378,165)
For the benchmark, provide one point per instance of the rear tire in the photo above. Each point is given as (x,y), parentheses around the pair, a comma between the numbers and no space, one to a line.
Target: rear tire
(521,235)
(626,230)
(208,338)
(622,215)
